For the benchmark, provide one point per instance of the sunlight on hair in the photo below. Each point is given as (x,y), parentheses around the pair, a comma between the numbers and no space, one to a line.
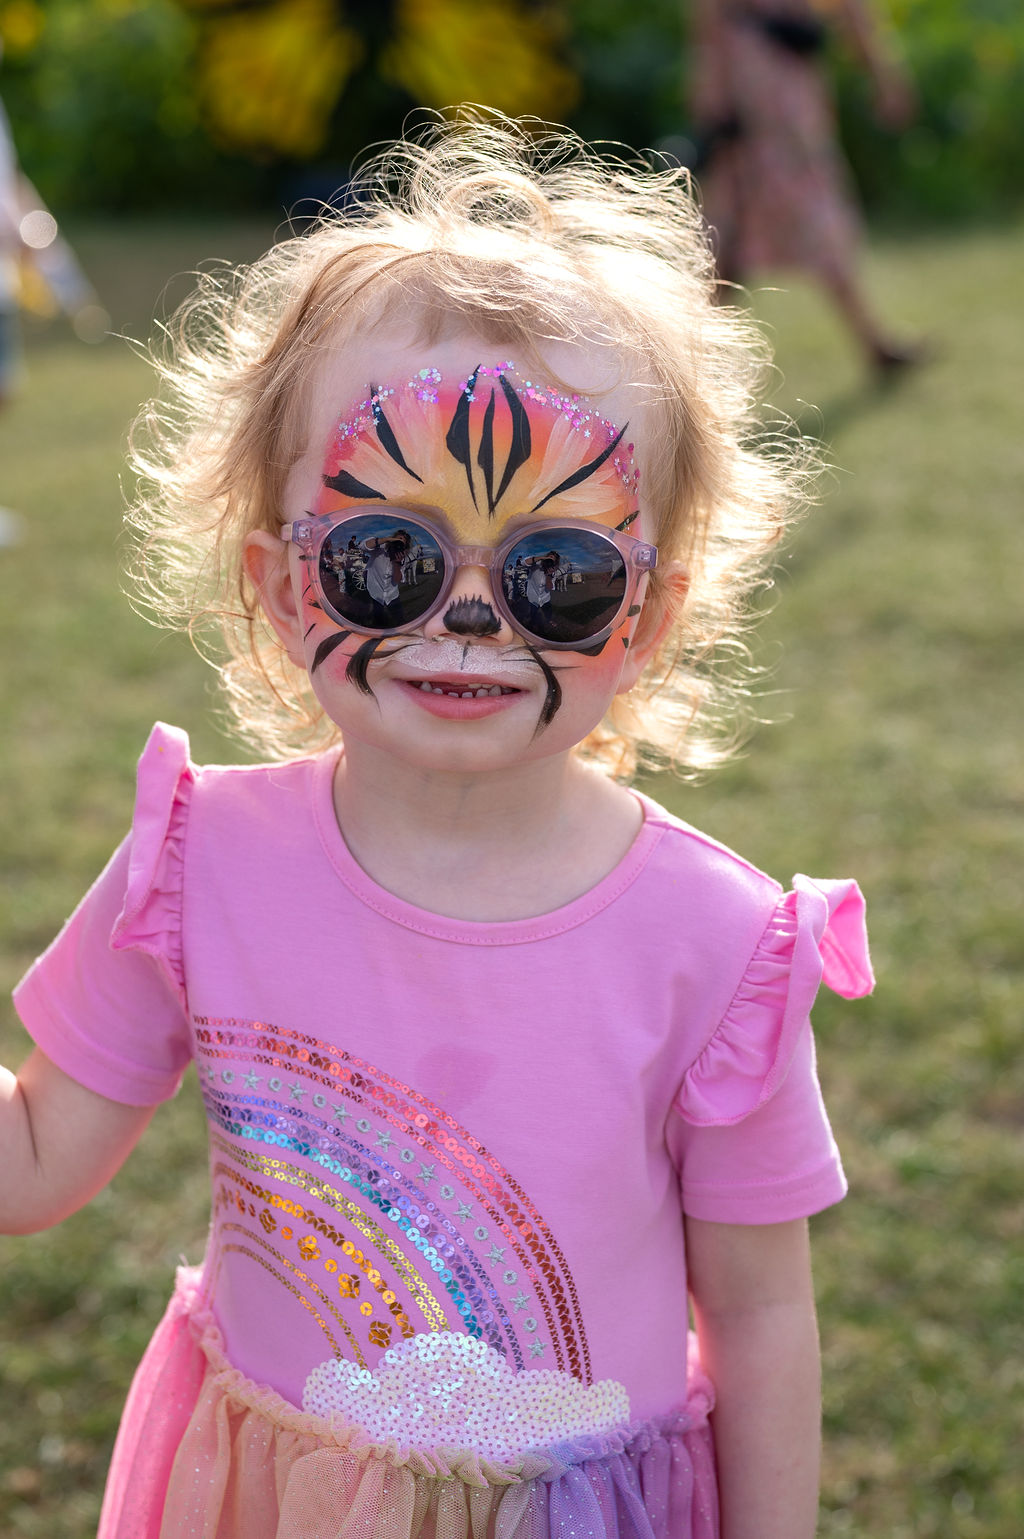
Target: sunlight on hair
(520,234)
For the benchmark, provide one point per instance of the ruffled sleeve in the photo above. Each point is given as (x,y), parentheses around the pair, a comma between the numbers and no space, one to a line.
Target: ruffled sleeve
(751,1126)
(150,917)
(107,1000)
(816,934)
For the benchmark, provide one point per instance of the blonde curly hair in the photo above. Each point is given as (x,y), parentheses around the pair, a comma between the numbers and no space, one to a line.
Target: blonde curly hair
(518,233)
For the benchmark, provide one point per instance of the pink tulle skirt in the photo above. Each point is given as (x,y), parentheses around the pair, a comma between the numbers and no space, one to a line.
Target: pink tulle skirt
(204,1453)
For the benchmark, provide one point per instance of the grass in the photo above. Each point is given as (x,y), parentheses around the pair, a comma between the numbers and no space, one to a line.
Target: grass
(898,638)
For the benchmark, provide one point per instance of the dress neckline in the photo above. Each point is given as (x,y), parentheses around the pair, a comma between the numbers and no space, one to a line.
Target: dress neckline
(469,931)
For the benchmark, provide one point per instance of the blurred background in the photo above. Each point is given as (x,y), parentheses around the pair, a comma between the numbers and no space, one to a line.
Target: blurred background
(130,105)
(161,134)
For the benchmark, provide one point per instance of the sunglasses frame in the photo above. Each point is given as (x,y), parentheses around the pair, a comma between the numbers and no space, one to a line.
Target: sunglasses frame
(308,535)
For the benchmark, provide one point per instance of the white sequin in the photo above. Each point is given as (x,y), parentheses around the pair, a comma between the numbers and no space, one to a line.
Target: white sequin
(449,1391)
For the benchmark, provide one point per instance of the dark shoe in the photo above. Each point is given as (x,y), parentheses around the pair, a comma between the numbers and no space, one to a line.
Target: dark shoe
(892,359)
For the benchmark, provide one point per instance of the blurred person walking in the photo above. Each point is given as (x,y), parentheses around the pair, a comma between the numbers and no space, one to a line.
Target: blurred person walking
(10,245)
(776,188)
(40,273)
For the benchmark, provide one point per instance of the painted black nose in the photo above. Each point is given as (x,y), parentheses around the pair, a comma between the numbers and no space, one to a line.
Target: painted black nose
(471,617)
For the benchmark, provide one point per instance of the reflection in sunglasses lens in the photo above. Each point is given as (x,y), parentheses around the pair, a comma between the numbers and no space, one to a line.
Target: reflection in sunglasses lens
(564,584)
(381,571)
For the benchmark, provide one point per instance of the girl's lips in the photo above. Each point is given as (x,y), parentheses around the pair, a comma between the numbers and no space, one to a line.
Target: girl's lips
(459,700)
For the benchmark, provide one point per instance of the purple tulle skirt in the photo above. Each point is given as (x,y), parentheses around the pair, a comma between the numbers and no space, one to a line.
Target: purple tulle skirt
(203,1451)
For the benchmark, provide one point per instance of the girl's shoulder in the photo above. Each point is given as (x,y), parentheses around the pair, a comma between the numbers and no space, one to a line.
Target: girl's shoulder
(218,809)
(819,922)
(688,857)
(167,751)
(167,774)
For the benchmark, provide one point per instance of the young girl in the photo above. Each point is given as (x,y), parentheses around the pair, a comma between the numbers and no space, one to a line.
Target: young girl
(504,1066)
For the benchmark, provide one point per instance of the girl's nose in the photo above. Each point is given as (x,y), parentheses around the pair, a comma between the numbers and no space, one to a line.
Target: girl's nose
(470,611)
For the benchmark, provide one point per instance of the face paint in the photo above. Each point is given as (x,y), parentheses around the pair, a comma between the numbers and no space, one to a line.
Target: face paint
(482,451)
(440,659)
(471,617)
(477,453)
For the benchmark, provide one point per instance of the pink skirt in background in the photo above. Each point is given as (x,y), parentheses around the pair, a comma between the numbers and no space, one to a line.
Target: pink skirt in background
(204,1453)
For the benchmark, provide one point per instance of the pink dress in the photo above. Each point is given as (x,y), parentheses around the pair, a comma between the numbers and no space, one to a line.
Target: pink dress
(445,1288)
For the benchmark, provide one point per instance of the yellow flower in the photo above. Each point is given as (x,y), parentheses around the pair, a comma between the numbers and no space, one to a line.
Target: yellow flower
(270,77)
(448,51)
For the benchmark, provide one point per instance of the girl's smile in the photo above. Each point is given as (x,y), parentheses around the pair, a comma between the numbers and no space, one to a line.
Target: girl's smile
(465,699)
(461,682)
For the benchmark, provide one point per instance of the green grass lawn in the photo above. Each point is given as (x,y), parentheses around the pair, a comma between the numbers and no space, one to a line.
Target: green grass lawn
(895,756)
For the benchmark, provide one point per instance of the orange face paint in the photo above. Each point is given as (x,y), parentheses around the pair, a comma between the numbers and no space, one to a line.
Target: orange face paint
(483,452)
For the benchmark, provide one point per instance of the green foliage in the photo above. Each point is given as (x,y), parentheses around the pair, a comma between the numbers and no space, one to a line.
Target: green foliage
(899,631)
(630,62)
(962,154)
(106,100)
(105,111)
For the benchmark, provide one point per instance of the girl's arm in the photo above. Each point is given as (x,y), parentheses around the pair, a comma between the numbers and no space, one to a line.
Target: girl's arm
(59,1144)
(753,1302)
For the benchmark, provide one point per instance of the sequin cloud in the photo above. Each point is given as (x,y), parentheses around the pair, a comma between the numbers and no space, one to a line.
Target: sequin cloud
(448,1391)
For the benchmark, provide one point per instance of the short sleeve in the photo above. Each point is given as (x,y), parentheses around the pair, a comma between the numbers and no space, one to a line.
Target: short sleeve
(107,1000)
(748,1129)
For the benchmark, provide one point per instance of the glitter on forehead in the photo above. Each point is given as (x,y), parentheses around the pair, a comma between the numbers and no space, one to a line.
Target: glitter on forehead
(425,385)
(577,410)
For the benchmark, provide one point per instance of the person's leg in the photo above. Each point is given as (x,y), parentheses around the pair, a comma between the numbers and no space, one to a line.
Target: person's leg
(883,351)
(388,616)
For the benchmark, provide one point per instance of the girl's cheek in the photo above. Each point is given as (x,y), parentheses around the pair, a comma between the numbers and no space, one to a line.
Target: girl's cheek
(327,646)
(337,662)
(309,607)
(606,665)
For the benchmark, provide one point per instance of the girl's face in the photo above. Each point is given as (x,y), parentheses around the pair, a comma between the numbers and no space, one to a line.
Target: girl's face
(478,448)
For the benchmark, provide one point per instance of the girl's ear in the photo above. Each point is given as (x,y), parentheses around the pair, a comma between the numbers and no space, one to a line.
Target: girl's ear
(661,610)
(267,567)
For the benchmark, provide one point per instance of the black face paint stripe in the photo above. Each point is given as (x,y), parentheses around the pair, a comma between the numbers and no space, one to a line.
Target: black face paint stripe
(553,698)
(634,609)
(630,518)
(485,454)
(360,661)
(521,446)
(594,651)
(326,647)
(457,437)
(350,487)
(386,434)
(584,472)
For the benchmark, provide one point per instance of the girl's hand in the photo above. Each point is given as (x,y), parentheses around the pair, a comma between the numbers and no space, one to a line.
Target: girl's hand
(59,1144)
(754,1307)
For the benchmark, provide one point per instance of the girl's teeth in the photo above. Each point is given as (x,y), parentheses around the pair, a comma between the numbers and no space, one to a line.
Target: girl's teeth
(461,694)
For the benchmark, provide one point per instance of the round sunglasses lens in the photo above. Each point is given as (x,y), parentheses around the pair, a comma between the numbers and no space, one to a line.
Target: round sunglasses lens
(380,571)
(564,585)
